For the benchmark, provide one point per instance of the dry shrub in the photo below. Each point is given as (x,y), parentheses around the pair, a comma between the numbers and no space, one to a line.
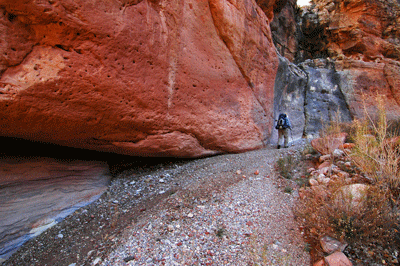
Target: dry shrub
(375,153)
(285,166)
(326,213)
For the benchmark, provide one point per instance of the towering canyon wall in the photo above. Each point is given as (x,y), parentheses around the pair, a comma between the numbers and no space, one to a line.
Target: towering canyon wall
(344,54)
(142,77)
(364,38)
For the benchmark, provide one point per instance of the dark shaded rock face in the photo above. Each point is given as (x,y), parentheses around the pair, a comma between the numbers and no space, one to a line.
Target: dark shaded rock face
(324,99)
(311,94)
(290,86)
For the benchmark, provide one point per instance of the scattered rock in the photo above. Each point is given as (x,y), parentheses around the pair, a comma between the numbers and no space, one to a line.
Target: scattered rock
(325,157)
(313,182)
(330,245)
(337,153)
(96,261)
(337,259)
(130,258)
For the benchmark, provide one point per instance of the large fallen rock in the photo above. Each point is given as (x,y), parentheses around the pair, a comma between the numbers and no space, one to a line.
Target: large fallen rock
(141,77)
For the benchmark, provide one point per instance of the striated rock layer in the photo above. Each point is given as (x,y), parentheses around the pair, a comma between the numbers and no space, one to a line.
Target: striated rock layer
(141,77)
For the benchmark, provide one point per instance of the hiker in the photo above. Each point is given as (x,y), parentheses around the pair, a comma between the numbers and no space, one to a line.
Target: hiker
(283,125)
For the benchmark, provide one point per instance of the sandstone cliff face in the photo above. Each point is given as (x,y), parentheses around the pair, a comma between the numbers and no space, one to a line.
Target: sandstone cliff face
(141,77)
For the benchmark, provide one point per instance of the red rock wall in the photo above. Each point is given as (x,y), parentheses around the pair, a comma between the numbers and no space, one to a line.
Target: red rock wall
(364,37)
(147,78)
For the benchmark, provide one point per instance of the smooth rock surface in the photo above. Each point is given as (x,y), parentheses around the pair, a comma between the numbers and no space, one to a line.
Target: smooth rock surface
(36,193)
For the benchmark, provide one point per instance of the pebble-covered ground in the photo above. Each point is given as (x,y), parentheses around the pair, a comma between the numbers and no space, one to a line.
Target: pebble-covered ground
(222,210)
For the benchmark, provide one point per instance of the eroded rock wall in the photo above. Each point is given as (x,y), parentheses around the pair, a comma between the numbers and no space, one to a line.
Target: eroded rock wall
(364,39)
(349,53)
(148,78)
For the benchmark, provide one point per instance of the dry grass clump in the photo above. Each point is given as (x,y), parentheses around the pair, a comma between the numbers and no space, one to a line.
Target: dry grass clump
(377,150)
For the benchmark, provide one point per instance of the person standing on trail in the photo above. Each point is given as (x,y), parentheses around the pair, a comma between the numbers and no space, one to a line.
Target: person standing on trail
(283,125)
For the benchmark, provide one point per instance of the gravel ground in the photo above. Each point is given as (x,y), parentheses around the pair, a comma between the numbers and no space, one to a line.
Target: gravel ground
(222,210)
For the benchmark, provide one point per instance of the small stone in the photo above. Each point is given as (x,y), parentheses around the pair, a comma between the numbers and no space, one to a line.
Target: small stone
(161,180)
(320,178)
(96,261)
(132,183)
(190,215)
(343,174)
(324,164)
(338,153)
(60,236)
(313,182)
(238,172)
(338,258)
(324,158)
(330,244)
(127,259)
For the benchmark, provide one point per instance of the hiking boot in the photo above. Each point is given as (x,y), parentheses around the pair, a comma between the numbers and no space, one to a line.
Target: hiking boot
(279,146)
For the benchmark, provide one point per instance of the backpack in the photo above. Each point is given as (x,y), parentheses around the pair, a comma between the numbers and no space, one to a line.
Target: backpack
(282,122)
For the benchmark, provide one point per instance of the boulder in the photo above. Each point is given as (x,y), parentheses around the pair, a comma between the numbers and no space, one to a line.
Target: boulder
(326,145)
(146,78)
